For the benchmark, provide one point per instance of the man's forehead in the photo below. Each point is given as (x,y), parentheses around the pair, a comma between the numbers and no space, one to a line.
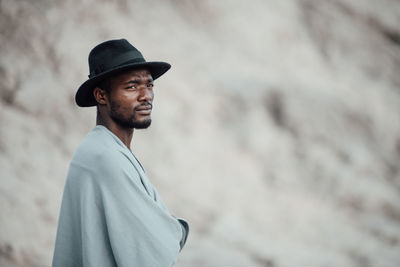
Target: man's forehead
(133,74)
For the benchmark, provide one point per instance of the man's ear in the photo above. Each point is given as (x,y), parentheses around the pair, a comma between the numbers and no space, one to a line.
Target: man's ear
(100,95)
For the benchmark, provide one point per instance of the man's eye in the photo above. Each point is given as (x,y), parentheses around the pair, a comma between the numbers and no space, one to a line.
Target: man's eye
(150,85)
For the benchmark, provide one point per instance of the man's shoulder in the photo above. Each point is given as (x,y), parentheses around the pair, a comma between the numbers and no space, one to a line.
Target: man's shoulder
(98,158)
(96,147)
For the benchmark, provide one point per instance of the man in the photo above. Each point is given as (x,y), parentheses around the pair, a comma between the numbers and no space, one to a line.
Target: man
(111,215)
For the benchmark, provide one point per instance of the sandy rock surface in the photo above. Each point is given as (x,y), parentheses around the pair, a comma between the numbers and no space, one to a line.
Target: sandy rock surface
(276,134)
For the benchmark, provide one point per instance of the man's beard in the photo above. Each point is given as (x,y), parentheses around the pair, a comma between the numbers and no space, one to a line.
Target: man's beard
(127,122)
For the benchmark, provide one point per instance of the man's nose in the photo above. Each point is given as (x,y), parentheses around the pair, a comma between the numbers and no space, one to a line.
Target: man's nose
(146,93)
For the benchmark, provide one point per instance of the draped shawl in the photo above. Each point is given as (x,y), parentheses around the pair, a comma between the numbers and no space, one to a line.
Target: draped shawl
(111,215)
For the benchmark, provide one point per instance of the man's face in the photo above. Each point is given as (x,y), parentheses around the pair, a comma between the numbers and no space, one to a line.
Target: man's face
(130,98)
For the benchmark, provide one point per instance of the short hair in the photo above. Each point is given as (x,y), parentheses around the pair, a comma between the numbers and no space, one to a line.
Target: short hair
(105,84)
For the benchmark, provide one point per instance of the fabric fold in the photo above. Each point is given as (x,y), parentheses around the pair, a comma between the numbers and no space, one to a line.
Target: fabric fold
(111,215)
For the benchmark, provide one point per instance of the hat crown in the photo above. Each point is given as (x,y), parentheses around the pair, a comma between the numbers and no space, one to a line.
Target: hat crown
(111,54)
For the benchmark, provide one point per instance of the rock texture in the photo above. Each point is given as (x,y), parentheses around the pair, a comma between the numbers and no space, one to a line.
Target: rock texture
(276,133)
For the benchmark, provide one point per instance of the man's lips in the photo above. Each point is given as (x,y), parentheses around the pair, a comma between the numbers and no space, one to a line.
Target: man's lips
(144,110)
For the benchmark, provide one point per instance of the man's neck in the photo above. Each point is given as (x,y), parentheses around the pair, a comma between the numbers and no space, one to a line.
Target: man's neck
(124,134)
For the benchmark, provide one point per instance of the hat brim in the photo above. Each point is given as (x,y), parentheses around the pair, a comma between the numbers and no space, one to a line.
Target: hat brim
(84,96)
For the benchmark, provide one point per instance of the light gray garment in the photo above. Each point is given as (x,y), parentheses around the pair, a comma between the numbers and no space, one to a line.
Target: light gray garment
(111,215)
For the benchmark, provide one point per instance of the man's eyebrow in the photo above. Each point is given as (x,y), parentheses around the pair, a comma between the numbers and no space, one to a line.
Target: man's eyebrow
(138,81)
(132,81)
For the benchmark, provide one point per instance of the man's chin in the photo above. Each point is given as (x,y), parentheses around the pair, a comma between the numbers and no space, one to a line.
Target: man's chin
(141,124)
(132,123)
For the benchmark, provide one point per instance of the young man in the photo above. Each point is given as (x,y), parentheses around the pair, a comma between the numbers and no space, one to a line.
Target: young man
(111,215)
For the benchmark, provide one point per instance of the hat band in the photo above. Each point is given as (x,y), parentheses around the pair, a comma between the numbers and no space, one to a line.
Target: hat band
(135,57)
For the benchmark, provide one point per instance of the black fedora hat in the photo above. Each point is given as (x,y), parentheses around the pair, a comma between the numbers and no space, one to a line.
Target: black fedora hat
(109,58)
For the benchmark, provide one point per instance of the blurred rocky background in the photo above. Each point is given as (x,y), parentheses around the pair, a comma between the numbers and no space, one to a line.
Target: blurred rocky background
(276,133)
